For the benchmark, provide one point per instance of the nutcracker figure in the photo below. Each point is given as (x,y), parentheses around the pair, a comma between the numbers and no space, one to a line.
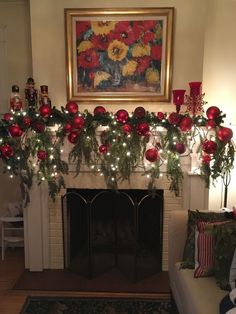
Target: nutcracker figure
(44,98)
(16,103)
(31,95)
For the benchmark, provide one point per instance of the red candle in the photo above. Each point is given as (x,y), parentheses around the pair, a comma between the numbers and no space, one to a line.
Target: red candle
(178,98)
(195,89)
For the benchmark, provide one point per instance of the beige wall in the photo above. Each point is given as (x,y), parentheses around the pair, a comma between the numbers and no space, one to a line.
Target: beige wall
(48,44)
(14,17)
(219,77)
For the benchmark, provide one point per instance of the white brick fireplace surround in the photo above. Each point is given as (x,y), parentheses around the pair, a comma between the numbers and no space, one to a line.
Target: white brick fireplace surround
(43,217)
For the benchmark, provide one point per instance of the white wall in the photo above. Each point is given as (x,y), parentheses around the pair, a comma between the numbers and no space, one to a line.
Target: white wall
(16,55)
(48,44)
(219,76)
(14,17)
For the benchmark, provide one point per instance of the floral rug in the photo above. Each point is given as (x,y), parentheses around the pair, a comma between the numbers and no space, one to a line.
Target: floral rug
(76,305)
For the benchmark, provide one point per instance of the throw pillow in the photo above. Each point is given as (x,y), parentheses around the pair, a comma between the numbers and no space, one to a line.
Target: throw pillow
(232,273)
(225,244)
(194,216)
(204,248)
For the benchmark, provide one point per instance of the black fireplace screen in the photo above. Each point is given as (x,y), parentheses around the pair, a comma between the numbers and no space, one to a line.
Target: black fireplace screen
(103,229)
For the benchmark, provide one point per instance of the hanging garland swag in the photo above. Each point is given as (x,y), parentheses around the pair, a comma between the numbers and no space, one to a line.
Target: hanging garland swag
(146,140)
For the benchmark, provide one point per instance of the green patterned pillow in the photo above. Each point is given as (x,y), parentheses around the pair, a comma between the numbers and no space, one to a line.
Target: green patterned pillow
(194,216)
(225,244)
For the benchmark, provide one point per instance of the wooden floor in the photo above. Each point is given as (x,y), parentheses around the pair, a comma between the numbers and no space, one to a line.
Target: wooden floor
(11,301)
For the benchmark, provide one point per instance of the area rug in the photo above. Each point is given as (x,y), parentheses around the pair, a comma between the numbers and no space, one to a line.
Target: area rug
(72,305)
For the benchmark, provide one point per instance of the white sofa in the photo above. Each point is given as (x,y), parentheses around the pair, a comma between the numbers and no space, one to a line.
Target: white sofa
(192,295)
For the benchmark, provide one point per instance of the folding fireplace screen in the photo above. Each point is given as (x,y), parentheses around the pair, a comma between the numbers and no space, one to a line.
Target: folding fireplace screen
(104,229)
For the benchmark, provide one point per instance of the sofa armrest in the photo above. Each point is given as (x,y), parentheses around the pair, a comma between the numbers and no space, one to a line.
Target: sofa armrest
(177,233)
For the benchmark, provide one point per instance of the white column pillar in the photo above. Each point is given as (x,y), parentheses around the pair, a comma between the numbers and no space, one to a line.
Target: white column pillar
(36,229)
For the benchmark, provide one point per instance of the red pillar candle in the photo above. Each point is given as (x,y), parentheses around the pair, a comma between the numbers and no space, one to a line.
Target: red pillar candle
(178,98)
(195,88)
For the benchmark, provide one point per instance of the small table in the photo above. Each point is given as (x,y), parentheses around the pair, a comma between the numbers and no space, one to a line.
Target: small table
(5,227)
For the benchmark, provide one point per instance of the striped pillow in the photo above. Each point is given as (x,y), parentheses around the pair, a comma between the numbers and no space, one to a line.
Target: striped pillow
(204,248)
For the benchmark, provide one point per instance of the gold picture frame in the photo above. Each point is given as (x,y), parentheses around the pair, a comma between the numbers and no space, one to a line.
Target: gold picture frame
(119,54)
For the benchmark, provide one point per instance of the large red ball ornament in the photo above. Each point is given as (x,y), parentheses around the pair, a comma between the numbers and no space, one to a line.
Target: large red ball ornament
(180,148)
(68,127)
(27,121)
(15,130)
(127,128)
(139,112)
(186,124)
(78,122)
(45,111)
(210,124)
(160,115)
(99,110)
(122,116)
(103,149)
(152,155)
(72,107)
(42,155)
(6,150)
(206,159)
(224,134)
(209,147)
(73,136)
(213,112)
(143,129)
(7,117)
(38,127)
(174,118)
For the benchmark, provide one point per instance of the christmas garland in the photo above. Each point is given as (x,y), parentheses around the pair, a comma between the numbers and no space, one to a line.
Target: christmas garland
(145,140)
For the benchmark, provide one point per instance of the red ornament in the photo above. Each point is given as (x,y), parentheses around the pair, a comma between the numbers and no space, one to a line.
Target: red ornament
(6,151)
(45,111)
(127,128)
(139,112)
(160,115)
(27,121)
(99,110)
(38,127)
(186,124)
(7,117)
(174,118)
(78,122)
(152,155)
(224,134)
(143,129)
(67,127)
(122,116)
(209,147)
(213,112)
(206,159)
(72,107)
(180,148)
(210,124)
(73,136)
(15,130)
(103,148)
(42,154)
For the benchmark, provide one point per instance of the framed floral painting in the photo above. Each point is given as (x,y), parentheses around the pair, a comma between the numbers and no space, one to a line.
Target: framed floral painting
(119,54)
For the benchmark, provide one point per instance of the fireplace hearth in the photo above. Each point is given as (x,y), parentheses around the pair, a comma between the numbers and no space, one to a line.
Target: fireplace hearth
(105,229)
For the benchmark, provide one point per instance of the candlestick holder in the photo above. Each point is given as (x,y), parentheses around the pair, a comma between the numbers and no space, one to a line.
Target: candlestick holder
(178,98)
(195,101)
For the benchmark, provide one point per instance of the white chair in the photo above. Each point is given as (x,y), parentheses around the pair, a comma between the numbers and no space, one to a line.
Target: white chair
(12,229)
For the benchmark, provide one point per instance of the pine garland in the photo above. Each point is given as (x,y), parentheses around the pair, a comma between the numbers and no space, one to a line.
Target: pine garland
(152,142)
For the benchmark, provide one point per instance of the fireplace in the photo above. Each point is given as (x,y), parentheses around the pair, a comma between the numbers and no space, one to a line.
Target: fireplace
(105,229)
(43,217)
